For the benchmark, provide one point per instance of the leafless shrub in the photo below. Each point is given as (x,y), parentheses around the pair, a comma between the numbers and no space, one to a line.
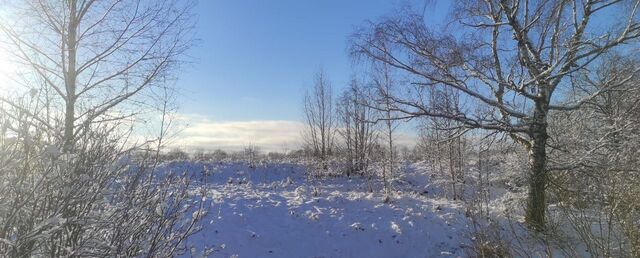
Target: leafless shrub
(175,154)
(95,201)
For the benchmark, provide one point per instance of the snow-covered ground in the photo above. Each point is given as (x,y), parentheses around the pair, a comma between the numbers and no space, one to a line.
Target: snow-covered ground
(273,210)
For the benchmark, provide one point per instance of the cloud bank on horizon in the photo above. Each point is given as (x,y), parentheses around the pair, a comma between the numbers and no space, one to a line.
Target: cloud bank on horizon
(203,133)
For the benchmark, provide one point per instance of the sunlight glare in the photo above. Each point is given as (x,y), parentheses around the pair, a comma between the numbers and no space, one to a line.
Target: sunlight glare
(7,73)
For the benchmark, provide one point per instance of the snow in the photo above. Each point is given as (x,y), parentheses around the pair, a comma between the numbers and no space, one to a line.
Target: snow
(273,210)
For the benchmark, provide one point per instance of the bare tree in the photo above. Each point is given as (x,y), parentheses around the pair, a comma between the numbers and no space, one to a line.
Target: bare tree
(97,55)
(449,135)
(383,83)
(319,117)
(356,128)
(507,59)
(72,191)
(443,147)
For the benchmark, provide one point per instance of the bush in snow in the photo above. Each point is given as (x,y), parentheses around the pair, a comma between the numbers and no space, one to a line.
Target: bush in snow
(94,201)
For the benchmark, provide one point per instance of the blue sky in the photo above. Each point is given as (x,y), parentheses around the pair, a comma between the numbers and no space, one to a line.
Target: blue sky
(255,59)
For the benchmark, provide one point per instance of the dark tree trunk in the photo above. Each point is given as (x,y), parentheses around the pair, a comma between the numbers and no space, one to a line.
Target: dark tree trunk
(536,201)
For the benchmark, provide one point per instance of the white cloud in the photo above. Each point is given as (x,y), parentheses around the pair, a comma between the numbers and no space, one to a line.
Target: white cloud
(268,135)
(203,133)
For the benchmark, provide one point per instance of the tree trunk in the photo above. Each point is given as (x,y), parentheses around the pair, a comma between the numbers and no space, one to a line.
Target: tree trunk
(452,170)
(68,125)
(536,202)
(70,78)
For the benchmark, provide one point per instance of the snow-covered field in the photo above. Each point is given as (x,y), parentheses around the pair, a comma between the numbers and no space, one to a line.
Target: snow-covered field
(273,210)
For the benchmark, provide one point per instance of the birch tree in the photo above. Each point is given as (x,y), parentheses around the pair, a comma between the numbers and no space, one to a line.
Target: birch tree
(97,55)
(319,118)
(511,60)
(356,129)
(384,85)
